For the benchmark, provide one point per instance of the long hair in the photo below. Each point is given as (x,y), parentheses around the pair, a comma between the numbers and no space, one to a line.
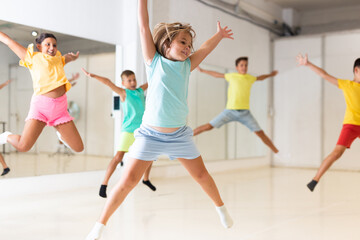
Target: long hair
(164,34)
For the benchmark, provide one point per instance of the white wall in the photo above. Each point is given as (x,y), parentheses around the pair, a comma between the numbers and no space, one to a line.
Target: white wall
(308,110)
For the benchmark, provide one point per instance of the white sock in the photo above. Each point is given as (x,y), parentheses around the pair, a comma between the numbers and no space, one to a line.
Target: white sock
(95,233)
(59,137)
(3,137)
(225,218)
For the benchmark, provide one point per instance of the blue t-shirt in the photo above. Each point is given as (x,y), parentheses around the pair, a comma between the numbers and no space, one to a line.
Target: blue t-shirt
(133,109)
(166,101)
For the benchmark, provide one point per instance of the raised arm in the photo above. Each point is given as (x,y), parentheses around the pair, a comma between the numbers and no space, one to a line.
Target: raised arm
(4,84)
(18,49)
(303,61)
(209,45)
(147,42)
(211,73)
(108,83)
(144,86)
(69,57)
(265,76)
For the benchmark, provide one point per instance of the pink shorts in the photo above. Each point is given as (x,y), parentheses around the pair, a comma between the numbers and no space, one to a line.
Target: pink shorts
(52,111)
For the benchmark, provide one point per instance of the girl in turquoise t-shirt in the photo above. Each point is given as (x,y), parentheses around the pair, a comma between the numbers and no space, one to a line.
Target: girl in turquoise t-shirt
(169,62)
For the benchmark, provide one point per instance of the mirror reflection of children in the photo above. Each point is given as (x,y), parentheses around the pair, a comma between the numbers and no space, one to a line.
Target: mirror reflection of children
(238,102)
(132,102)
(49,103)
(351,124)
(168,60)
(6,168)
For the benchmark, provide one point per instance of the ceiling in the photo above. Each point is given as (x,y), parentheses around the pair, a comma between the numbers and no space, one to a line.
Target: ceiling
(67,43)
(307,5)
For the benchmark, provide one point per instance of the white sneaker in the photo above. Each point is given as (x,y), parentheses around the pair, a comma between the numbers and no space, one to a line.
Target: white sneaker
(95,233)
(3,137)
(59,137)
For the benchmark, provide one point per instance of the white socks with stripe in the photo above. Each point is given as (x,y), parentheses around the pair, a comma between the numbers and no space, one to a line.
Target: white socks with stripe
(225,218)
(95,233)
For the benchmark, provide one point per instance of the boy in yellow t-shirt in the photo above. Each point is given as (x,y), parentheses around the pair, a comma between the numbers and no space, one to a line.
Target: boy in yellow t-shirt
(351,124)
(238,102)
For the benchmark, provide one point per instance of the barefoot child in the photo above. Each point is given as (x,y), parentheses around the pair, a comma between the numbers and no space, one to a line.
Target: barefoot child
(168,60)
(49,103)
(132,102)
(351,124)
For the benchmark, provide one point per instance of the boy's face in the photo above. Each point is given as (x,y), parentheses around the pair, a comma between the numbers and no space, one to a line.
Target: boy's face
(242,67)
(357,74)
(129,82)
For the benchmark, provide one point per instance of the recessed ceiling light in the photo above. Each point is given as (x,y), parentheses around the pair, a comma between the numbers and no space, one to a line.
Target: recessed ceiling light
(34,33)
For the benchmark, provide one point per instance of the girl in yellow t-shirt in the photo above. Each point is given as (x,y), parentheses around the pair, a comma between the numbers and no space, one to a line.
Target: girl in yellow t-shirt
(49,103)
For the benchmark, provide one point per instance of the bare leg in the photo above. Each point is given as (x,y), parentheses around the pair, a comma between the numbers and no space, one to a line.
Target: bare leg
(2,161)
(202,128)
(329,160)
(132,175)
(112,166)
(266,140)
(147,172)
(71,136)
(30,134)
(198,172)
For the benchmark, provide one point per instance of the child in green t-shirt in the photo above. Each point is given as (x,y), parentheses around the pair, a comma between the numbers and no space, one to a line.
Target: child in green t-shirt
(132,100)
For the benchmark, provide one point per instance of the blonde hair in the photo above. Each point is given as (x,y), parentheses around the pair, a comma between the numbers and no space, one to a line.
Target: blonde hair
(164,34)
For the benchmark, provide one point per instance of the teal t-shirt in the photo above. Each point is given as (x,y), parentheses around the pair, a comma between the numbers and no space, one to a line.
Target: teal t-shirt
(166,100)
(133,110)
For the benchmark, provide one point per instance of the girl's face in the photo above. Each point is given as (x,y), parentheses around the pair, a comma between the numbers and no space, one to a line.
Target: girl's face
(129,82)
(180,47)
(48,46)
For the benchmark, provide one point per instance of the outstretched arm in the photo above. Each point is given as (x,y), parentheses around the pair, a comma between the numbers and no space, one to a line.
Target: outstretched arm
(147,42)
(69,57)
(18,49)
(211,73)
(264,76)
(303,61)
(210,45)
(108,83)
(4,84)
(144,86)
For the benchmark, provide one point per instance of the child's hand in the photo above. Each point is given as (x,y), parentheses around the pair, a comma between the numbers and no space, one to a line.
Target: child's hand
(274,73)
(75,76)
(72,56)
(224,32)
(87,73)
(302,60)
